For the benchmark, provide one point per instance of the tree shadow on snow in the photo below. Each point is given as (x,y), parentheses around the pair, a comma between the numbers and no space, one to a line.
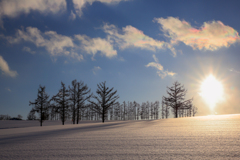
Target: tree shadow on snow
(32,136)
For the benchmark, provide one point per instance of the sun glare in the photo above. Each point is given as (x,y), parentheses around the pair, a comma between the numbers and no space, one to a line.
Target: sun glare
(212,91)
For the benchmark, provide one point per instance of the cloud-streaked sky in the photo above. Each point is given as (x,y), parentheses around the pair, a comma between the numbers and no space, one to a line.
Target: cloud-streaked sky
(137,46)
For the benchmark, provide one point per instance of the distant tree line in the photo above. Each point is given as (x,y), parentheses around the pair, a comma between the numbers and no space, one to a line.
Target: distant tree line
(7,117)
(76,103)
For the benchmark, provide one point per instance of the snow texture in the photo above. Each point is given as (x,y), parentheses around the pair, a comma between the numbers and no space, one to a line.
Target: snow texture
(208,137)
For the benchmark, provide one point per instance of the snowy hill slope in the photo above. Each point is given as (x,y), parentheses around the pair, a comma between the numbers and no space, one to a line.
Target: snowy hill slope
(208,137)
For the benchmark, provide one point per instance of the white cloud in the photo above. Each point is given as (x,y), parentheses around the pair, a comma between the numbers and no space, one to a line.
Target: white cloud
(210,36)
(155,65)
(80,4)
(13,8)
(55,44)
(132,37)
(61,45)
(5,68)
(96,69)
(27,49)
(94,45)
(160,71)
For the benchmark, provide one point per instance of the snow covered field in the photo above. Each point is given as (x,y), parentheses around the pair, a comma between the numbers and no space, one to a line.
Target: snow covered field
(209,137)
(22,124)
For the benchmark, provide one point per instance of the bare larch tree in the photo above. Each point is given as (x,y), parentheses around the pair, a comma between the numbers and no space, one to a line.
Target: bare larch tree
(176,98)
(73,99)
(194,110)
(105,98)
(82,95)
(62,100)
(163,110)
(31,115)
(41,104)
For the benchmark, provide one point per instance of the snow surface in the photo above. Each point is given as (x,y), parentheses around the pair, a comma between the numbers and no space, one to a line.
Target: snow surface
(208,137)
(6,124)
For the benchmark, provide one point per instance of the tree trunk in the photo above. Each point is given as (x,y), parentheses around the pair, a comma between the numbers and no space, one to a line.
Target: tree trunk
(77,115)
(63,118)
(103,117)
(176,113)
(73,118)
(41,115)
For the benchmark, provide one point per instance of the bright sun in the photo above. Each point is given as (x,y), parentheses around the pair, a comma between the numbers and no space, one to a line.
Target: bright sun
(212,91)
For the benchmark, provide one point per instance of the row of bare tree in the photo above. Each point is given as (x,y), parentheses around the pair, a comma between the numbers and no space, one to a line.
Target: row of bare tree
(67,101)
(70,103)
(134,111)
(124,111)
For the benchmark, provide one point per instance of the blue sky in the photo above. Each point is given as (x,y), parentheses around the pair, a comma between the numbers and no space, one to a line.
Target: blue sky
(137,46)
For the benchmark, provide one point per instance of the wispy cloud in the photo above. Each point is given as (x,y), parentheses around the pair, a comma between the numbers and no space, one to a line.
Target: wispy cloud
(94,45)
(210,36)
(160,71)
(27,49)
(8,89)
(121,59)
(13,8)
(5,68)
(130,36)
(80,4)
(96,69)
(155,58)
(233,70)
(72,16)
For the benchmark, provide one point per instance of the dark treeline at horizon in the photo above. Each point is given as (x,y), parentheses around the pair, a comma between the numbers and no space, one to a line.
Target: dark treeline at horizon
(75,103)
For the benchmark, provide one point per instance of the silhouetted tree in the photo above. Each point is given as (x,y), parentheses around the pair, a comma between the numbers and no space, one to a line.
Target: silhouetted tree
(138,111)
(147,110)
(105,98)
(156,109)
(194,110)
(62,102)
(163,110)
(190,111)
(82,96)
(176,98)
(41,104)
(167,108)
(5,117)
(31,115)
(117,110)
(53,107)
(143,111)
(136,106)
(124,110)
(19,116)
(73,99)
